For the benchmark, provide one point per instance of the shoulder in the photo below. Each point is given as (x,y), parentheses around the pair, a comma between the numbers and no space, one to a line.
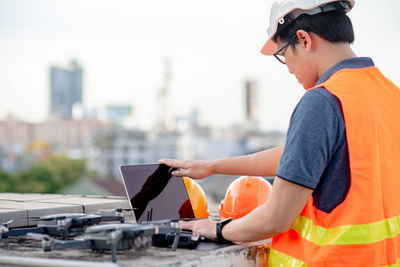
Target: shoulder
(320,97)
(316,105)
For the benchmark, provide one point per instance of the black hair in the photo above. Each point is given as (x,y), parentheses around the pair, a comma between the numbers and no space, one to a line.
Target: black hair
(332,26)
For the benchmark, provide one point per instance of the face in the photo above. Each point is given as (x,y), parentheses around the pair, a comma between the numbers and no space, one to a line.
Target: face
(300,64)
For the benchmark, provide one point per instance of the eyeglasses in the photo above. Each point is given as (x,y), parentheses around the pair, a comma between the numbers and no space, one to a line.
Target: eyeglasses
(281,56)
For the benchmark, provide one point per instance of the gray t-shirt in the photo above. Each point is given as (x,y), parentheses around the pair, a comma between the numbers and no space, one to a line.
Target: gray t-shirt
(316,154)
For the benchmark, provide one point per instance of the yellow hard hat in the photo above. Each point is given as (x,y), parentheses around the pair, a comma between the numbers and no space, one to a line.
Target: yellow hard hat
(197,198)
(244,195)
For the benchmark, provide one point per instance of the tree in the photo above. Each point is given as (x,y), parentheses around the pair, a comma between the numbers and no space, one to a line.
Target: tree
(46,176)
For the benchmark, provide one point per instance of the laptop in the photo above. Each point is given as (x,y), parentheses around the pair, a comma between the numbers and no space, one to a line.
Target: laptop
(154,193)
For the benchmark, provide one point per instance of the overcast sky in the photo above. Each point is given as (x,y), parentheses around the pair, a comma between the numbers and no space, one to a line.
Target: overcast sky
(213,46)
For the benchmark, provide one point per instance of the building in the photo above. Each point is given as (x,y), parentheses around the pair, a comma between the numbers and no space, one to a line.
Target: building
(114,147)
(15,136)
(22,142)
(65,90)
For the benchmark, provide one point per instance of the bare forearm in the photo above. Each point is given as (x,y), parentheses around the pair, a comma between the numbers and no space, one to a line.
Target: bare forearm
(254,227)
(277,215)
(264,163)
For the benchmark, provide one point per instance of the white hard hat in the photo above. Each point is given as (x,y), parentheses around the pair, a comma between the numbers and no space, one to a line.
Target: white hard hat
(285,11)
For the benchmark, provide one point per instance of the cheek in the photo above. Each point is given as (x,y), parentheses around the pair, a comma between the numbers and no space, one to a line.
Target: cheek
(302,73)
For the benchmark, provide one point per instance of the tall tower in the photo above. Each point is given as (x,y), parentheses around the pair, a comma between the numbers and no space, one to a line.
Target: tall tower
(251,105)
(165,120)
(65,90)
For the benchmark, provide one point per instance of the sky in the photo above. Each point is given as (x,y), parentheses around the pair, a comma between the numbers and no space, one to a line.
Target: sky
(213,47)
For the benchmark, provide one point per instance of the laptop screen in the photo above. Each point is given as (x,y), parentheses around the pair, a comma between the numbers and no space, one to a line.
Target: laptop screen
(154,193)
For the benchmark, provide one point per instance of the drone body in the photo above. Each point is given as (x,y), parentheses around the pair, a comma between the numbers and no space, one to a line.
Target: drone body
(124,236)
(62,225)
(105,237)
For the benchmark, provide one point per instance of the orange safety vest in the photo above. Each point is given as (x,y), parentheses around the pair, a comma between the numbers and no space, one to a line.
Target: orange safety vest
(364,230)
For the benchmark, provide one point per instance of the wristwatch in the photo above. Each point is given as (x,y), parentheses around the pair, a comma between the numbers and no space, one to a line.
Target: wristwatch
(221,225)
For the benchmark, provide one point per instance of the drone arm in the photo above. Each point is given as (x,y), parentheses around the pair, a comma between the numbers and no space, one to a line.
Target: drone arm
(112,218)
(60,245)
(175,243)
(23,231)
(113,238)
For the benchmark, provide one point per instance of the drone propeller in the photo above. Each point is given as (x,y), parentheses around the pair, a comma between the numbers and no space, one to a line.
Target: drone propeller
(7,223)
(116,210)
(35,218)
(162,222)
(4,227)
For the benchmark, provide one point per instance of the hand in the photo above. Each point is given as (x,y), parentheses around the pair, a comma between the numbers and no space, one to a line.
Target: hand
(206,227)
(195,169)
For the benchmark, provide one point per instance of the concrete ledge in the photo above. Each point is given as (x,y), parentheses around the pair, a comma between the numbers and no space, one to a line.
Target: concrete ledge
(244,255)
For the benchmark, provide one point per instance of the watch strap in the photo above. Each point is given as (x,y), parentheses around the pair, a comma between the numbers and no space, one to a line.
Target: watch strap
(219,227)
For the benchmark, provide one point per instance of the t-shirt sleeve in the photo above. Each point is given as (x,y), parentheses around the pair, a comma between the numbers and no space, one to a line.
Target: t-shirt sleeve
(312,138)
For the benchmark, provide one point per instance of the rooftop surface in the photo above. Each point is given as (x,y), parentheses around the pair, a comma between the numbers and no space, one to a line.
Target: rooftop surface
(27,251)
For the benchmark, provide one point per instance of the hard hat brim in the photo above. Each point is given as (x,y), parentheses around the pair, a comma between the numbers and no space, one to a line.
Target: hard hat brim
(269,48)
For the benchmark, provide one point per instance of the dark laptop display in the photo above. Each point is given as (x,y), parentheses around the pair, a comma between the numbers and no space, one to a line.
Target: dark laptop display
(154,193)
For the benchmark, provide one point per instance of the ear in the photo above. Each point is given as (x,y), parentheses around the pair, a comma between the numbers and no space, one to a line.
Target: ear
(305,40)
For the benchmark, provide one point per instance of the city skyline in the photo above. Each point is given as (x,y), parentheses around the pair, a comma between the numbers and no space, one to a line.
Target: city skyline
(213,47)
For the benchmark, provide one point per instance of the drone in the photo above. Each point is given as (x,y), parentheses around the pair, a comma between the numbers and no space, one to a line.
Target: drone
(165,237)
(103,237)
(115,237)
(62,225)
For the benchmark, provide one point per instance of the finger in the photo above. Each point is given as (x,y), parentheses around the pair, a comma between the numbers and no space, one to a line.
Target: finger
(180,173)
(171,162)
(185,224)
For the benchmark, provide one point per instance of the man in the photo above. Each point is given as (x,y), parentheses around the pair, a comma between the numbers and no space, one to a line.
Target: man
(335,196)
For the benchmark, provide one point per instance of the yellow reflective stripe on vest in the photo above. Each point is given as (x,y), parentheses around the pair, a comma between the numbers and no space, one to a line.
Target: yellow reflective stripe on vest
(394,265)
(347,234)
(277,258)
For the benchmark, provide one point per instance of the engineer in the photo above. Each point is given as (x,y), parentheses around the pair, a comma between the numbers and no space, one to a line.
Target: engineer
(336,196)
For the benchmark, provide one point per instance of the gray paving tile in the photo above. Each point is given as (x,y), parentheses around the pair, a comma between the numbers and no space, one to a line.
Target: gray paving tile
(91,204)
